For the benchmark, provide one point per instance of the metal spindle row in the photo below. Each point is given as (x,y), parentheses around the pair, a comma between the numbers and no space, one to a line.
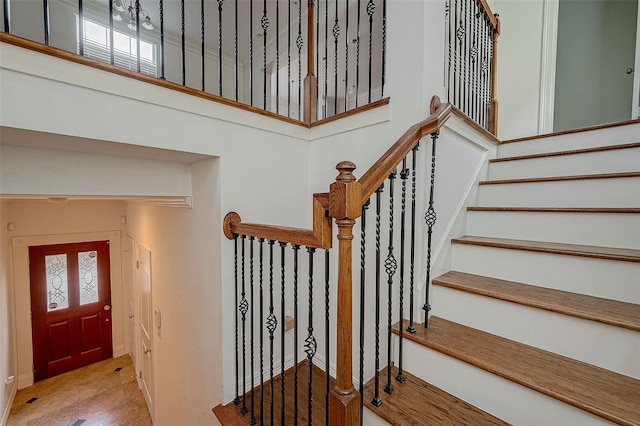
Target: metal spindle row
(250,298)
(469,38)
(401,257)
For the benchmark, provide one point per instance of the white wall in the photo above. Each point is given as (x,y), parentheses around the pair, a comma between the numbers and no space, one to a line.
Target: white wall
(186,274)
(519,66)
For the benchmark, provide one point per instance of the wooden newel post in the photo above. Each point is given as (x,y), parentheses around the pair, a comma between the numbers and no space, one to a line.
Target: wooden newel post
(310,81)
(345,205)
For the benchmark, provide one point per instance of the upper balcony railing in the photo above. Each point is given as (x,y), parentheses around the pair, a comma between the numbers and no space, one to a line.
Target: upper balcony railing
(304,61)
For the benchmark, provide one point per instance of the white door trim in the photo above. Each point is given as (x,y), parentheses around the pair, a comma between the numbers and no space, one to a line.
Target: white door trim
(635,107)
(22,292)
(548,65)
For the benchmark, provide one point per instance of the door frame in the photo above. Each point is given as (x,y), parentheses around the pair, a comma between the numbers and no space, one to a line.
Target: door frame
(22,294)
(635,99)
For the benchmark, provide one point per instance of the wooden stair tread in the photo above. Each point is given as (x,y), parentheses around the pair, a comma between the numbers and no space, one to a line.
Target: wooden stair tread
(612,312)
(568,152)
(617,210)
(609,253)
(610,395)
(571,131)
(416,402)
(562,178)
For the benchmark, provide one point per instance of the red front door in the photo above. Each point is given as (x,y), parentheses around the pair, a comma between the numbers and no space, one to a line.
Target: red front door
(70,306)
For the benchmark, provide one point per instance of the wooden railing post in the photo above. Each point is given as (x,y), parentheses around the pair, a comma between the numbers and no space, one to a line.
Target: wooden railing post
(345,205)
(493,125)
(310,81)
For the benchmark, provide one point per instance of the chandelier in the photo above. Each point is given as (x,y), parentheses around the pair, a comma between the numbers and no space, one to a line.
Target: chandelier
(129,7)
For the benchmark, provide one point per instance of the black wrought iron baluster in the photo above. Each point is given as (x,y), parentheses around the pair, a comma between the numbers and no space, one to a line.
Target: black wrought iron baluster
(299,44)
(183,55)
(411,327)
(251,320)
(137,35)
(310,344)
(357,39)
(220,58)
(404,174)
(377,401)
(456,64)
(277,58)
(390,266)
(475,71)
(363,240)
(7,16)
(162,73)
(260,327)
(235,50)
(282,330)
(264,22)
(449,21)
(202,52)
(236,400)
(346,56)
(80,24)
(244,307)
(272,323)
(371,9)
(45,11)
(296,249)
(251,52)
(384,46)
(326,56)
(111,55)
(430,219)
(326,335)
(289,58)
(336,34)
(317,48)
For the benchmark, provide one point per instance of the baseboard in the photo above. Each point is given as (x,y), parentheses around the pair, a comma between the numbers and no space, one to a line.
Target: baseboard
(9,403)
(25,380)
(119,351)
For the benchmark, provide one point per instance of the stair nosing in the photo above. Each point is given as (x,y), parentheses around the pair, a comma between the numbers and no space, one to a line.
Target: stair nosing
(562,178)
(572,131)
(524,360)
(607,210)
(580,250)
(544,298)
(602,148)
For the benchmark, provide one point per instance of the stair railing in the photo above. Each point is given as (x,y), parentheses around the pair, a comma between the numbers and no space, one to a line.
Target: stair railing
(472,32)
(347,200)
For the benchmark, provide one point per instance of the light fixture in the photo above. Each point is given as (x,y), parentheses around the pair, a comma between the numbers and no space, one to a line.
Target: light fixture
(129,8)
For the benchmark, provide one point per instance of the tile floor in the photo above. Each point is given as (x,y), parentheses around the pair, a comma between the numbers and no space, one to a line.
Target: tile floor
(101,394)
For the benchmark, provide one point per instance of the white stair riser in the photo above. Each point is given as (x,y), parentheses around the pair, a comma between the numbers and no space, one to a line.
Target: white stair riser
(604,137)
(620,192)
(595,277)
(614,161)
(598,229)
(371,419)
(500,397)
(614,348)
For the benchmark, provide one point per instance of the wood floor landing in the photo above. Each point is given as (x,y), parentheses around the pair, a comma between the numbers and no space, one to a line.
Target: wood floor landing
(230,414)
(610,395)
(612,312)
(418,403)
(609,253)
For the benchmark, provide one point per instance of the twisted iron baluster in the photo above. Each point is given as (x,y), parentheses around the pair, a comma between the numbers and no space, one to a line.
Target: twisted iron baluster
(162,74)
(202,59)
(220,61)
(358,55)
(310,344)
(346,56)
(411,328)
(430,219)
(251,305)
(299,44)
(243,307)
(272,323)
(377,401)
(261,256)
(277,60)
(264,22)
(390,266)
(363,229)
(236,400)
(371,8)
(326,55)
(404,174)
(282,329)
(137,9)
(384,48)
(336,34)
(183,44)
(251,51)
(326,334)
(296,249)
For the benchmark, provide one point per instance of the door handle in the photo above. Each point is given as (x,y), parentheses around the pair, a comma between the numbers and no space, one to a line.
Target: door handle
(146,351)
(630,70)
(131,316)
(107,307)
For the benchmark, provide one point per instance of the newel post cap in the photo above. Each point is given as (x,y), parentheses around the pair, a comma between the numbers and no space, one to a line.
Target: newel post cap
(345,194)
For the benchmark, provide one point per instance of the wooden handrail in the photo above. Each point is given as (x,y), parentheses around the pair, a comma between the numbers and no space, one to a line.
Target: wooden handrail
(493,18)
(382,168)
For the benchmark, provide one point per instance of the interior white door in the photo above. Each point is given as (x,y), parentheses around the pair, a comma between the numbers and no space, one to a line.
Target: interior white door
(145,324)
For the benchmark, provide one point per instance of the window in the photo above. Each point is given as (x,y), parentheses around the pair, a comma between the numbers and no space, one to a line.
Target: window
(97,46)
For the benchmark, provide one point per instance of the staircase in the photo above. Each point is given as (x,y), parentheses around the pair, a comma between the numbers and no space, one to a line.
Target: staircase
(538,320)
